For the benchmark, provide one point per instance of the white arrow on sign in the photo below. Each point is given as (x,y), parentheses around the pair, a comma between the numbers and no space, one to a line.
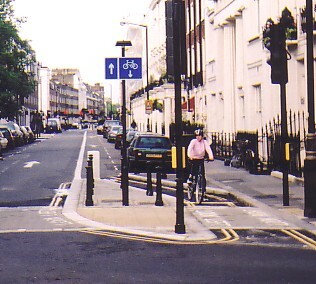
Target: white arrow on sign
(130,74)
(111,67)
(30,164)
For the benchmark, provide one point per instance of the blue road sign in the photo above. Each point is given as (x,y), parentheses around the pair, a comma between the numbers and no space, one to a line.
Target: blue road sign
(111,68)
(130,68)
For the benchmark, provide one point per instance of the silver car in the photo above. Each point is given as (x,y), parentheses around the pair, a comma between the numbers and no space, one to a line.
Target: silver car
(3,141)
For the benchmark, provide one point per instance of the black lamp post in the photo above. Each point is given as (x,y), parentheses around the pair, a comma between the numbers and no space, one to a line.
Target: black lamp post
(147,68)
(178,33)
(124,167)
(310,161)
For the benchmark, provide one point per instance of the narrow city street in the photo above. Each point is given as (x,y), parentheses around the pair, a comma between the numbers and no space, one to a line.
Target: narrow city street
(40,245)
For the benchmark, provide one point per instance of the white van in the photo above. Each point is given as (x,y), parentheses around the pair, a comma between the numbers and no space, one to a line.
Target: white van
(53,125)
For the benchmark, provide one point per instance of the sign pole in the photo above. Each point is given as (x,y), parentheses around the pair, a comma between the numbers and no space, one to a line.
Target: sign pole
(124,166)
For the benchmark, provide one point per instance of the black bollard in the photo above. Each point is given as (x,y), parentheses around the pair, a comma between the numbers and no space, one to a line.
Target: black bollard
(89,192)
(149,191)
(159,201)
(90,164)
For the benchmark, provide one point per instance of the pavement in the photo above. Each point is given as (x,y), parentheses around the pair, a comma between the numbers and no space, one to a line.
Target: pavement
(260,197)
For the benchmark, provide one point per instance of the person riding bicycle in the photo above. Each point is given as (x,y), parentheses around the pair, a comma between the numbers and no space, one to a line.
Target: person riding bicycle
(197,150)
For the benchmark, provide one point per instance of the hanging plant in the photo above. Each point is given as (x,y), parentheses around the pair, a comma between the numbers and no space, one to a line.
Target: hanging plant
(287,21)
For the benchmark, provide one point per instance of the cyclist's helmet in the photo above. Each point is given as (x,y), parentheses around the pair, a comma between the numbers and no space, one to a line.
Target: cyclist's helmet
(199,132)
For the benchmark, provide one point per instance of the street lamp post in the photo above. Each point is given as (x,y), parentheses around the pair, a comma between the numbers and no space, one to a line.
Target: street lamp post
(147,68)
(310,161)
(178,33)
(124,167)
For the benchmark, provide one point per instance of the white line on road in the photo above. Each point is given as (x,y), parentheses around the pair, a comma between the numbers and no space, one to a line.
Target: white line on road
(80,158)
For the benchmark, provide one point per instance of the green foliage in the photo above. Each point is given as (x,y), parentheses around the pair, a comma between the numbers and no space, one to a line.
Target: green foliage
(158,105)
(287,21)
(16,57)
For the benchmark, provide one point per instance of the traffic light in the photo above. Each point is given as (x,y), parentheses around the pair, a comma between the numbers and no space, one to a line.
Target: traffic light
(278,60)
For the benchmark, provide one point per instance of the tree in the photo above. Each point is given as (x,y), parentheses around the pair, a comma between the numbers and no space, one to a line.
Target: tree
(16,58)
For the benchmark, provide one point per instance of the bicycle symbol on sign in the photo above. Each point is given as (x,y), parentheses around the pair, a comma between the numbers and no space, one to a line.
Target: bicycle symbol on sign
(130,64)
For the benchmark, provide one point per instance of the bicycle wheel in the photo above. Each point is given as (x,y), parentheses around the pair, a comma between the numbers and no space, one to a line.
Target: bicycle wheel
(199,191)
(190,191)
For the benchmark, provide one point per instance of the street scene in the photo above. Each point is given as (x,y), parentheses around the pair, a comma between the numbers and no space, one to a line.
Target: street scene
(242,218)
(184,152)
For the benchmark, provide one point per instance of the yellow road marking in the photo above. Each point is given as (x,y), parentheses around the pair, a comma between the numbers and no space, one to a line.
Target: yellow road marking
(229,236)
(301,238)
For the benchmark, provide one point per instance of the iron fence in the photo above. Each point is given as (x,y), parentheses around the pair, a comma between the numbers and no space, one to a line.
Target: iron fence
(259,151)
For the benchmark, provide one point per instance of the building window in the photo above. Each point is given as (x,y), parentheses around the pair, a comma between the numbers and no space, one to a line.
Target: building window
(258,98)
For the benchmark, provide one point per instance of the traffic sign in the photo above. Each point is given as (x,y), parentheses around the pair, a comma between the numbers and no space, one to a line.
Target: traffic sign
(130,68)
(123,68)
(148,106)
(111,68)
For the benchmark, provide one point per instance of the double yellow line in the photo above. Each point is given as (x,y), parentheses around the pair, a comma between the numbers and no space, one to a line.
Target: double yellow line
(301,238)
(229,236)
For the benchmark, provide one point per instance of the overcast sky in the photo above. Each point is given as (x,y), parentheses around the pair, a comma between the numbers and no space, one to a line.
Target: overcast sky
(77,33)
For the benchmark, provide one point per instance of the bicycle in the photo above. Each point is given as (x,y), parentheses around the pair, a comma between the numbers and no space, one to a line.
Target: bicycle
(198,187)
(130,64)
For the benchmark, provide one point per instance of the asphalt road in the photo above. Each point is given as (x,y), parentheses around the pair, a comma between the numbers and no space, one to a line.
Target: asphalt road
(74,257)
(29,174)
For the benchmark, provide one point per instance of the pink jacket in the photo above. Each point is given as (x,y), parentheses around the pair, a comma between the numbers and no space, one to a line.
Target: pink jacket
(198,149)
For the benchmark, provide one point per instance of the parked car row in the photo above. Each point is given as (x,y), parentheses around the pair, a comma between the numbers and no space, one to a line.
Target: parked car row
(12,135)
(146,151)
(103,128)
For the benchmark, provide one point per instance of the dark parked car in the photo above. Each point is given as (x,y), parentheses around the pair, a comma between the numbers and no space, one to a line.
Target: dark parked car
(16,132)
(119,138)
(8,134)
(147,151)
(113,131)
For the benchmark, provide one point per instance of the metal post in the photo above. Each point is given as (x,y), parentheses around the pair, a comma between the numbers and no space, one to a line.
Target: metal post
(149,191)
(180,226)
(124,182)
(124,167)
(147,75)
(90,164)
(159,201)
(89,188)
(284,138)
(310,161)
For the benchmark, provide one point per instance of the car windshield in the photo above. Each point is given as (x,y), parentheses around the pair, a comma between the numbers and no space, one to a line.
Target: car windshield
(154,142)
(115,129)
(9,125)
(111,122)
(52,122)
(130,135)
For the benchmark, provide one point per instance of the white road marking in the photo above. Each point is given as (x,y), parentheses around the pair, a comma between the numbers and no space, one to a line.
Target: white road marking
(31,164)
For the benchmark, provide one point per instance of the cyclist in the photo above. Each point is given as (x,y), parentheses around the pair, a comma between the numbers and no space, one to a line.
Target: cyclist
(197,150)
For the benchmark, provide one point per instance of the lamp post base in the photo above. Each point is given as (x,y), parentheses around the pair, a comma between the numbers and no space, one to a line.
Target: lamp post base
(309,176)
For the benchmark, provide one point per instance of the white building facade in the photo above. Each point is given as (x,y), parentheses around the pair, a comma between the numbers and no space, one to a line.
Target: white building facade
(228,67)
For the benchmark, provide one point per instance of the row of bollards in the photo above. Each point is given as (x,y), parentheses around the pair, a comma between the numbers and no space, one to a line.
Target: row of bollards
(149,191)
(90,182)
